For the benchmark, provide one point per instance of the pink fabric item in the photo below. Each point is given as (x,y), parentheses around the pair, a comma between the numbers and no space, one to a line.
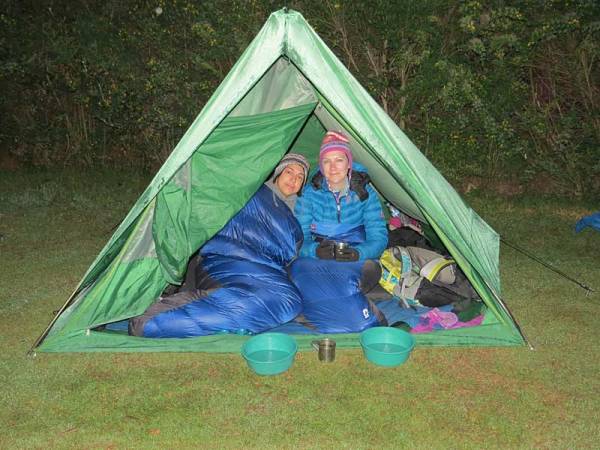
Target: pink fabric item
(443,320)
(396,222)
(336,141)
(402,220)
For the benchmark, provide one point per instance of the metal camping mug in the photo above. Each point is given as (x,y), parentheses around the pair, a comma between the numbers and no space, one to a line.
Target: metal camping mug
(326,348)
(341,245)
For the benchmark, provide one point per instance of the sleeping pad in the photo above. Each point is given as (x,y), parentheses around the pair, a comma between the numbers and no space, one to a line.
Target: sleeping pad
(246,261)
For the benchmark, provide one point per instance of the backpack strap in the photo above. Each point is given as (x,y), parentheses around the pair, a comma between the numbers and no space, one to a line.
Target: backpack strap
(395,264)
(402,255)
(432,269)
(407,290)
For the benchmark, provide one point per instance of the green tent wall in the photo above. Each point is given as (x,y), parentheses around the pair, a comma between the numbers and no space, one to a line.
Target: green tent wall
(284,92)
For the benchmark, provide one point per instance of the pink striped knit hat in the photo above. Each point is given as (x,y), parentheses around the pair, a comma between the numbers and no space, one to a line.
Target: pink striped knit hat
(336,141)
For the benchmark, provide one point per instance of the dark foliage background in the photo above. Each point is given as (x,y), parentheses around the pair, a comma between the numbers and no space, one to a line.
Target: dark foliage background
(503,92)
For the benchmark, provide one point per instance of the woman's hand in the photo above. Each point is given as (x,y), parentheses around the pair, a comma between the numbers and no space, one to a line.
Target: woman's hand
(326,250)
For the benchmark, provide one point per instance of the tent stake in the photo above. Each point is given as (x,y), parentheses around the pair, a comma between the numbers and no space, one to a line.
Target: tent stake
(588,289)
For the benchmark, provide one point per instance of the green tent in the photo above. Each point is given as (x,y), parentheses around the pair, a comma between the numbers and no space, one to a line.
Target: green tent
(285,91)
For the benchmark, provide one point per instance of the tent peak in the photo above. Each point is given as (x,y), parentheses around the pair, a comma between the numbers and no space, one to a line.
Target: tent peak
(283,13)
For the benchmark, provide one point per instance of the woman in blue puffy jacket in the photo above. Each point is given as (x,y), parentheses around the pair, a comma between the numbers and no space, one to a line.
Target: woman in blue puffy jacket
(341,204)
(343,226)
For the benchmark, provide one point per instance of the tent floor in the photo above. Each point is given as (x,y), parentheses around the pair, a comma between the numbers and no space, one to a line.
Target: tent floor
(393,311)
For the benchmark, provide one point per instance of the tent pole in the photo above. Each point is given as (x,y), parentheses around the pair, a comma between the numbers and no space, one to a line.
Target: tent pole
(548,266)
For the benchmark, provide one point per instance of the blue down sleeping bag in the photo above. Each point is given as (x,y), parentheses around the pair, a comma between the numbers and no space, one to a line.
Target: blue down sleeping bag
(247,259)
(332,301)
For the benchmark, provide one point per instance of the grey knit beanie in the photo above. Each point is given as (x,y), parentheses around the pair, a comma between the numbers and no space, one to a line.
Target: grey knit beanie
(292,158)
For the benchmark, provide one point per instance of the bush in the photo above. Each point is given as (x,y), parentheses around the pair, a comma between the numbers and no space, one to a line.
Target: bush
(484,88)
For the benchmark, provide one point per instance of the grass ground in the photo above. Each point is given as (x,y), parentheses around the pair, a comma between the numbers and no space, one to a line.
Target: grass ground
(52,225)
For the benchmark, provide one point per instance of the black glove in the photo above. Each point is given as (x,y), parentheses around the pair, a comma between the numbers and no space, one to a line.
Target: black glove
(346,254)
(326,250)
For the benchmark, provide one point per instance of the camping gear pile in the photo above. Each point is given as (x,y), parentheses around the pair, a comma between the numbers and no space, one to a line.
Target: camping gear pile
(431,290)
(284,93)
(423,277)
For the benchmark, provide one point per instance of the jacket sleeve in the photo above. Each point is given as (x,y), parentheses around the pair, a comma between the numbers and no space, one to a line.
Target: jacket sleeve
(304,214)
(376,231)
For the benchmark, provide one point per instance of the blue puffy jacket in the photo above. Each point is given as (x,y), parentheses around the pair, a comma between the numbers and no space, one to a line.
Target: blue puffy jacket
(318,209)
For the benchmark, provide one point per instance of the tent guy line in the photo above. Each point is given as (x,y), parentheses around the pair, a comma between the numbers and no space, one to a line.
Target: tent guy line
(584,286)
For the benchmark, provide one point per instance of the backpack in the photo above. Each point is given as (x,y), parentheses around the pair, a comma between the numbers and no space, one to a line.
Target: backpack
(418,276)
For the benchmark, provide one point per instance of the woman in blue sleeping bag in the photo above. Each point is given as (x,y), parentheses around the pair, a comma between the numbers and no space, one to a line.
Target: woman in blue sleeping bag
(245,287)
(344,235)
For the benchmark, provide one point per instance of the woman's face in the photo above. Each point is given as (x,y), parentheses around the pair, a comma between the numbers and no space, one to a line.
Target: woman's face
(335,167)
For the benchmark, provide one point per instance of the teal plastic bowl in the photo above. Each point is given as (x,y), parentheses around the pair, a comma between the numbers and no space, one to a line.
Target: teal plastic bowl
(386,346)
(270,353)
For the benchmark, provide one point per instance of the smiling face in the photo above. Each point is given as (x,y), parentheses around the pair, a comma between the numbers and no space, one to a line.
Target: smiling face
(291,179)
(335,167)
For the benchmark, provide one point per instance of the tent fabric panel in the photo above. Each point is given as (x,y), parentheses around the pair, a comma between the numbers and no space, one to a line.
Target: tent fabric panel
(125,291)
(140,244)
(107,254)
(222,181)
(122,289)
(262,52)
(414,172)
(484,236)
(63,318)
(482,287)
(282,87)
(172,214)
(309,141)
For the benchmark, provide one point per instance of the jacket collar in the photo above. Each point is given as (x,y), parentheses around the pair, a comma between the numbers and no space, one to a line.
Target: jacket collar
(344,191)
